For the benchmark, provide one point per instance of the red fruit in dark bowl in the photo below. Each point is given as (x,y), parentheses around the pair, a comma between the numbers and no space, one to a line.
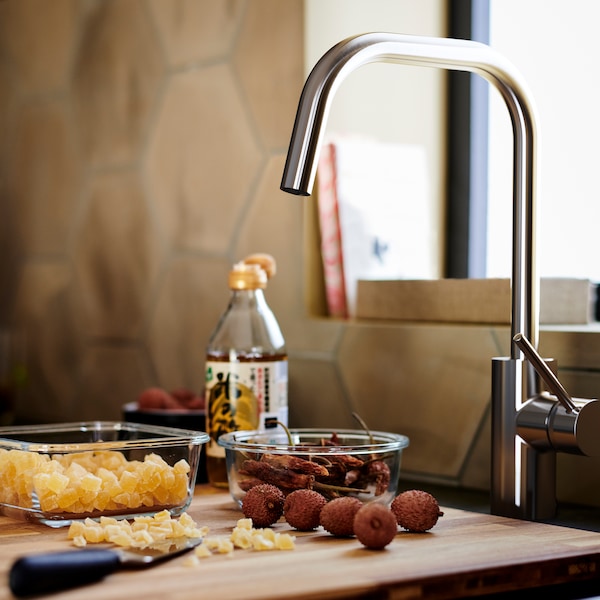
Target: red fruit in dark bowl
(188,399)
(156,398)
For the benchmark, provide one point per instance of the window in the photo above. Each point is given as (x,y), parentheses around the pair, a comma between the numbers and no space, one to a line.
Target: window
(554,44)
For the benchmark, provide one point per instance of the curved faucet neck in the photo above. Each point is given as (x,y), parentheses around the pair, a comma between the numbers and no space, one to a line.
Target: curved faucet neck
(449,54)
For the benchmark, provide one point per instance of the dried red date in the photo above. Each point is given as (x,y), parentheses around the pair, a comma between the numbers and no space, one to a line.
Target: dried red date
(331,474)
(379,472)
(282,478)
(295,463)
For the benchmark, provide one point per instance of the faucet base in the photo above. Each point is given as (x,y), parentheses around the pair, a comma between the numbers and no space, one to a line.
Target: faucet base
(523,478)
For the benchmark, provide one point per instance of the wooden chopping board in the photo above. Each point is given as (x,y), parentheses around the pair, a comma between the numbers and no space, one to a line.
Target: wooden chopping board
(465,554)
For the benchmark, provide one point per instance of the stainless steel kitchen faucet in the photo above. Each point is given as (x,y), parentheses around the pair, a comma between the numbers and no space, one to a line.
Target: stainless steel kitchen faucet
(529,425)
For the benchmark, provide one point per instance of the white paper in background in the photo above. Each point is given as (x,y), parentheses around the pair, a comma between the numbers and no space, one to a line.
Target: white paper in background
(384,212)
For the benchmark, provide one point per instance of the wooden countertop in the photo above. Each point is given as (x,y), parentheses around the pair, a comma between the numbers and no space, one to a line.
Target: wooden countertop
(466,554)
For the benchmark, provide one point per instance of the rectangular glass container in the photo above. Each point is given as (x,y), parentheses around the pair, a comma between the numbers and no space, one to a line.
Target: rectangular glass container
(55,474)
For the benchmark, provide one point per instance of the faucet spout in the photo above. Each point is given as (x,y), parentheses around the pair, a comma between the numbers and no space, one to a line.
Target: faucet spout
(523,478)
(450,54)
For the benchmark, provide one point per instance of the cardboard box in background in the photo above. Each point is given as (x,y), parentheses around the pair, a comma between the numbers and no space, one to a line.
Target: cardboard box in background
(562,300)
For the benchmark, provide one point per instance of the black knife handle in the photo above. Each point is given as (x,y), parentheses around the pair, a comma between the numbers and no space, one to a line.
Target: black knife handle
(42,573)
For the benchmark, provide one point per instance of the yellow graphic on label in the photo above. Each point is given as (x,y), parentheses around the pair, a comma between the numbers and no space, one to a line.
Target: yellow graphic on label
(232,406)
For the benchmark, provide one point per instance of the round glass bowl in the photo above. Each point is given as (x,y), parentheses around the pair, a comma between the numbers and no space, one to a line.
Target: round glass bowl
(344,462)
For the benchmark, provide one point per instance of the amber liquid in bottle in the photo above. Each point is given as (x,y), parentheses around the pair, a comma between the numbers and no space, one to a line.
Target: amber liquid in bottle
(242,399)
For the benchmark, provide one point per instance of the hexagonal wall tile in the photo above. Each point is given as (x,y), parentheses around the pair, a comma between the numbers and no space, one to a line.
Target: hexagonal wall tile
(268,61)
(44,311)
(191,299)
(117,73)
(43,177)
(196,31)
(202,160)
(40,40)
(429,382)
(8,96)
(316,396)
(117,257)
(274,223)
(103,397)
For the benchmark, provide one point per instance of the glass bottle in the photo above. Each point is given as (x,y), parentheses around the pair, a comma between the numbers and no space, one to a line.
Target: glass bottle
(246,363)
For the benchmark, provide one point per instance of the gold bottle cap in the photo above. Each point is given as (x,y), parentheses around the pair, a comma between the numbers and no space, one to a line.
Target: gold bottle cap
(252,273)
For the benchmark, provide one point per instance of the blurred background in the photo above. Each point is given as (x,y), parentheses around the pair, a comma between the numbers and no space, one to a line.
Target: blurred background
(142,144)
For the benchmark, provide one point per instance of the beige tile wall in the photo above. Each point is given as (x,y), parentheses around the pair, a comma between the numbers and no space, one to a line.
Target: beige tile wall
(141,148)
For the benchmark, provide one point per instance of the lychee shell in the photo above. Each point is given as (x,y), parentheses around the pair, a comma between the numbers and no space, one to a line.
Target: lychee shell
(416,510)
(337,516)
(302,509)
(375,525)
(263,504)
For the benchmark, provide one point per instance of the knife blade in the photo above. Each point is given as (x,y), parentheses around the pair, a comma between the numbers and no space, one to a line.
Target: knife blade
(53,571)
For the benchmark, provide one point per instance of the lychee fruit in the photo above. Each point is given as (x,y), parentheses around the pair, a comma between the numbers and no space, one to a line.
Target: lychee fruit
(302,509)
(416,510)
(156,398)
(375,525)
(337,516)
(188,399)
(263,504)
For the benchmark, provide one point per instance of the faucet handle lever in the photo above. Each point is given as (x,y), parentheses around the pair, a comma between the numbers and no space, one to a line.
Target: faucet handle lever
(544,371)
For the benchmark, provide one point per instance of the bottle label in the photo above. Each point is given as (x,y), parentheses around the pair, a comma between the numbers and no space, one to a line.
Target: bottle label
(244,395)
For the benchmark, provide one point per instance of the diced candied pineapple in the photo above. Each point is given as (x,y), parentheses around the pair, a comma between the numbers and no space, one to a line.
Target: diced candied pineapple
(219,545)
(163,515)
(40,481)
(111,460)
(67,497)
(186,520)
(147,499)
(156,459)
(202,551)
(101,500)
(49,503)
(112,531)
(261,542)
(162,530)
(94,535)
(267,533)
(57,482)
(87,497)
(142,538)
(180,488)
(76,471)
(121,539)
(106,475)
(90,482)
(128,481)
(124,498)
(113,489)
(182,466)
(167,477)
(150,478)
(285,541)
(86,460)
(108,522)
(27,460)
(24,487)
(242,538)
(77,507)
(162,495)
(76,528)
